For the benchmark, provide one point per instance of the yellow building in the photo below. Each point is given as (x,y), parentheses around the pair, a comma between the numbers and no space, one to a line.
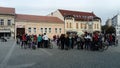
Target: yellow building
(78,21)
(12,24)
(32,24)
(56,23)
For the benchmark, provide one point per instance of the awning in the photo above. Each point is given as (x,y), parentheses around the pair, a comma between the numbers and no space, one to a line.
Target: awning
(4,31)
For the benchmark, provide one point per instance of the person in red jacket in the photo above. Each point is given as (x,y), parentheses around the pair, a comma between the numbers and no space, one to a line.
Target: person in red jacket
(24,41)
(35,39)
(110,39)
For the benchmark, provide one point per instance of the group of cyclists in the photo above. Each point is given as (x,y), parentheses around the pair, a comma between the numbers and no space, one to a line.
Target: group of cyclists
(33,41)
(86,41)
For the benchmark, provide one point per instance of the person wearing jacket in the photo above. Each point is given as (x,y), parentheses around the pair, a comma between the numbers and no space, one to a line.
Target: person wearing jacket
(39,40)
(45,38)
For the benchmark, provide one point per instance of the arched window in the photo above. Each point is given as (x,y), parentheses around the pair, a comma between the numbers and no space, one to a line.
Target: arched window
(97,26)
(67,24)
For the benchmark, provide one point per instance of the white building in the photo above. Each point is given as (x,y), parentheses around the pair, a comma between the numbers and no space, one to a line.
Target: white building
(116,23)
(78,21)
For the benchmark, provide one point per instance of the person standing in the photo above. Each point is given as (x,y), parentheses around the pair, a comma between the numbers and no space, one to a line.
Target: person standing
(39,40)
(45,38)
(67,42)
(23,41)
(62,40)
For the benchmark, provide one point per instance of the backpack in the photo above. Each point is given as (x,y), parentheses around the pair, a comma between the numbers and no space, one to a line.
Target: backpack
(95,38)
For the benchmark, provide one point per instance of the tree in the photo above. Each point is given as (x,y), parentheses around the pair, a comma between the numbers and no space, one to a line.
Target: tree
(108,29)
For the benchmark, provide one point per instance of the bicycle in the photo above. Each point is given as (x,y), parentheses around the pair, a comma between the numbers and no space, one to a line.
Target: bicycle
(50,44)
(104,46)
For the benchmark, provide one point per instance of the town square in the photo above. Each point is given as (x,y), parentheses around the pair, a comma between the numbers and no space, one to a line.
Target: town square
(45,34)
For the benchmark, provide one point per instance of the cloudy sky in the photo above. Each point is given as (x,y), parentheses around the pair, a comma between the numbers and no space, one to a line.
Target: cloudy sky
(103,8)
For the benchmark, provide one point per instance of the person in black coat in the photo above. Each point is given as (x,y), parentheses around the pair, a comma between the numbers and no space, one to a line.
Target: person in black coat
(66,42)
(62,40)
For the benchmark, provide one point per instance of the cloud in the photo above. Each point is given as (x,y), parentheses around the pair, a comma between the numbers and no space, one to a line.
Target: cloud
(102,8)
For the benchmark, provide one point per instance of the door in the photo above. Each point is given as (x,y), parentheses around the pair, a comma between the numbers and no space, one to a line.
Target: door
(20,31)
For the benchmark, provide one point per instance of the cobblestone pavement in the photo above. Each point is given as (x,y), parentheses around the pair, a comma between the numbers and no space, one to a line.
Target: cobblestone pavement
(12,56)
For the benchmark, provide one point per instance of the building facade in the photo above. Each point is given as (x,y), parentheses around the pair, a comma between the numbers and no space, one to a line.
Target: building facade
(116,23)
(7,22)
(56,23)
(78,21)
(35,25)
(12,24)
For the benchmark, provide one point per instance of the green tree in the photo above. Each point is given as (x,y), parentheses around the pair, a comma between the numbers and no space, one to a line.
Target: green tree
(108,29)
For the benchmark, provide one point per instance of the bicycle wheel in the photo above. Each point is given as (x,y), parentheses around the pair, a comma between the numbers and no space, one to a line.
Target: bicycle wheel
(101,48)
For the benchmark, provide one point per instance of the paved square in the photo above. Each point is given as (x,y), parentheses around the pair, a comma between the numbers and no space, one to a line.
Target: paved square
(12,56)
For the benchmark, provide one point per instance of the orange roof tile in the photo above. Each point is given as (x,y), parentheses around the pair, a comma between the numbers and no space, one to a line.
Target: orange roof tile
(35,18)
(6,10)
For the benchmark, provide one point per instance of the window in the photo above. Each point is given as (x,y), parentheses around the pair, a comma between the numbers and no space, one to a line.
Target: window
(49,30)
(45,30)
(81,26)
(97,26)
(29,30)
(85,26)
(9,22)
(41,30)
(70,25)
(55,30)
(34,30)
(77,25)
(1,21)
(67,25)
(60,30)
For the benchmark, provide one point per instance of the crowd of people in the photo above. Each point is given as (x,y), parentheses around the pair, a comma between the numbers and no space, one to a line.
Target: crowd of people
(86,41)
(33,41)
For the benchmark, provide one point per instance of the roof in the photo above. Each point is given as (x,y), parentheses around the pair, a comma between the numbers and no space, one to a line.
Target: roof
(77,14)
(6,10)
(35,18)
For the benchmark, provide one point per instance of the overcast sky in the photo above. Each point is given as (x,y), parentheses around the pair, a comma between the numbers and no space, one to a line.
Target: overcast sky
(102,8)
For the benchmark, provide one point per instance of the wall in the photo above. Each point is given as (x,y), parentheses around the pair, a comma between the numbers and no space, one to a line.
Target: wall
(39,25)
(12,26)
